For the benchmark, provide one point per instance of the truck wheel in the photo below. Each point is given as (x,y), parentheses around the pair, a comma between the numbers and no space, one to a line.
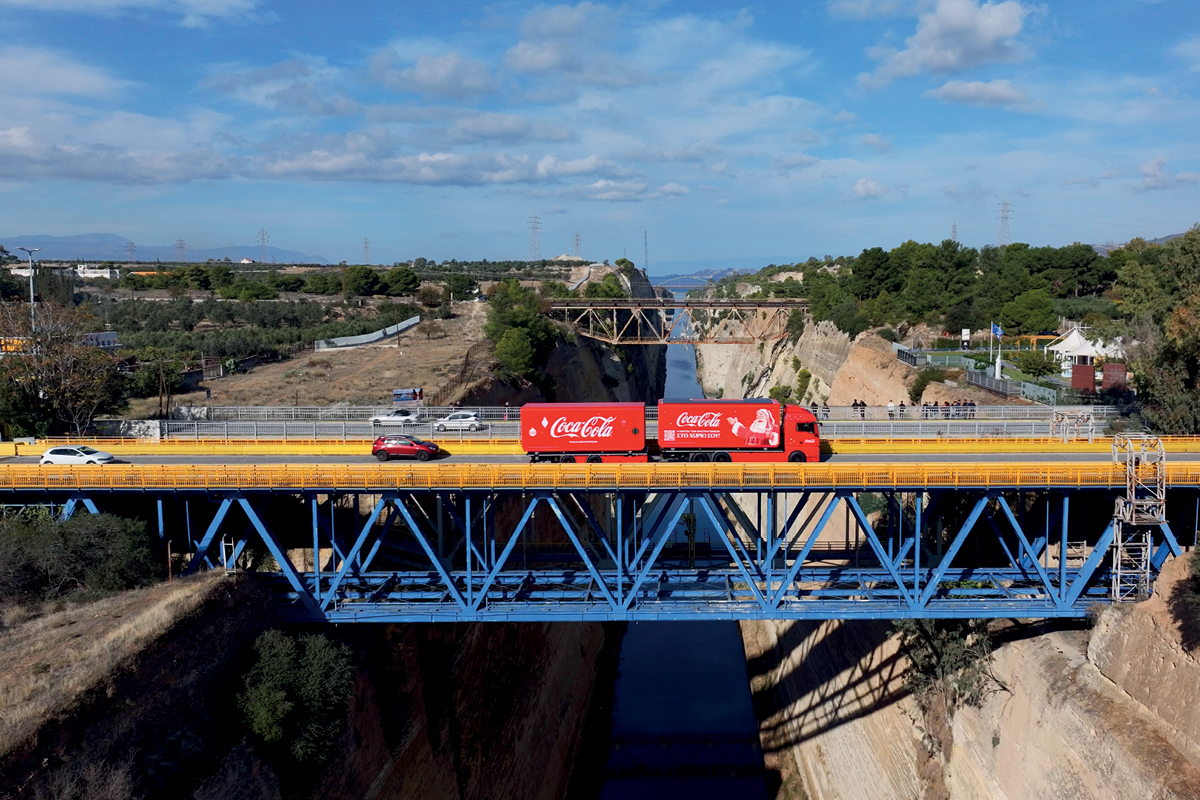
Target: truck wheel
(594,459)
(699,456)
(797,457)
(723,457)
(382,455)
(566,459)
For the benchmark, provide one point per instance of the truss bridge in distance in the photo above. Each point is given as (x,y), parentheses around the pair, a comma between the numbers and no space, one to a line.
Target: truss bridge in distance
(629,321)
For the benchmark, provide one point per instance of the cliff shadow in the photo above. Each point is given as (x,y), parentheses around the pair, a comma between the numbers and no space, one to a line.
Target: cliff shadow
(1183,601)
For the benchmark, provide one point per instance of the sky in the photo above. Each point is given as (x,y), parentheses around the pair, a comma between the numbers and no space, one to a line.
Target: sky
(693,131)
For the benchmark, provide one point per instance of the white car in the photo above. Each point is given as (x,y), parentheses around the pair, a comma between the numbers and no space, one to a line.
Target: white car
(76,454)
(401,416)
(459,421)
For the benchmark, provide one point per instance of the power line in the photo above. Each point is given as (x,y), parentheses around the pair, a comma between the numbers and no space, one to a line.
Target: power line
(366,250)
(262,245)
(180,249)
(1005,211)
(577,243)
(535,243)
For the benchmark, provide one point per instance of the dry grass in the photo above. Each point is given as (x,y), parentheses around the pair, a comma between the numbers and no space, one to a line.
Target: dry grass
(47,662)
(362,376)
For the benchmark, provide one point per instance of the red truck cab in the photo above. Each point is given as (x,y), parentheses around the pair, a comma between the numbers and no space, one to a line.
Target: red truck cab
(737,430)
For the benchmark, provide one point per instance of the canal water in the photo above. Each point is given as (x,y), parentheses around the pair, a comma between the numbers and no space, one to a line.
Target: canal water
(682,720)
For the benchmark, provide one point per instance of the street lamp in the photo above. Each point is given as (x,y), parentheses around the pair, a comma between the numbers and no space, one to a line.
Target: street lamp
(30,251)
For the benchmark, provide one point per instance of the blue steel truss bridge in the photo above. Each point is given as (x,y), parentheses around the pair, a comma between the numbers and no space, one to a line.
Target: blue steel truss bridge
(686,321)
(478,542)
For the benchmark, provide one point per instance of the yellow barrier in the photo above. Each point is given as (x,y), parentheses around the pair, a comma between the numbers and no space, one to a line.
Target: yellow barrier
(261,447)
(580,476)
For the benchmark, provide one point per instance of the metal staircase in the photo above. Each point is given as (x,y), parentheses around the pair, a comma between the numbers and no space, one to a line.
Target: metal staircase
(1134,516)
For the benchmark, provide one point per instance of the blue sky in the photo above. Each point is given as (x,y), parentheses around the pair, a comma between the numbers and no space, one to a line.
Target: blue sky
(780,130)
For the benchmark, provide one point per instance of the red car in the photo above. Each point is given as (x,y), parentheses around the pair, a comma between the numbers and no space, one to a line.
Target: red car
(394,446)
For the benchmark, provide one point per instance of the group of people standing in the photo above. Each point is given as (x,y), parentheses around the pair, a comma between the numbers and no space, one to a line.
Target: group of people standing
(963,409)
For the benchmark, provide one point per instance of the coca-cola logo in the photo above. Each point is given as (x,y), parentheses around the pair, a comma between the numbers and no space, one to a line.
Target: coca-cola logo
(709,419)
(594,428)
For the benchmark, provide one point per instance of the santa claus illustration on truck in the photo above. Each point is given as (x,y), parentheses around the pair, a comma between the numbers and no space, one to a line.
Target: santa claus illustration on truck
(763,432)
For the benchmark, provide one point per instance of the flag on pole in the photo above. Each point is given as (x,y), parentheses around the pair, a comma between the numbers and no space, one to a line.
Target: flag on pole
(997,331)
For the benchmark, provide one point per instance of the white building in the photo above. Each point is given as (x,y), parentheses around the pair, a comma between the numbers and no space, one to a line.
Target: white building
(1074,348)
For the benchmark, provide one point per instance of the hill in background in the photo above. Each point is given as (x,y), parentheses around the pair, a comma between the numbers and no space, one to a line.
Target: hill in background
(110,247)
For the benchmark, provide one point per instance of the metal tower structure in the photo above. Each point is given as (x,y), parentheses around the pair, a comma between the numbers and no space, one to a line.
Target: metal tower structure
(366,250)
(180,249)
(130,249)
(954,231)
(535,243)
(577,243)
(1143,508)
(1005,212)
(262,245)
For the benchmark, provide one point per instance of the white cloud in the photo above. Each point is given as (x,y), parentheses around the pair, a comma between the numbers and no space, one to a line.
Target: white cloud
(307,85)
(29,71)
(1153,174)
(448,75)
(978,93)
(672,190)
(844,117)
(881,144)
(1189,51)
(571,43)
(868,187)
(192,13)
(1188,177)
(609,191)
(957,35)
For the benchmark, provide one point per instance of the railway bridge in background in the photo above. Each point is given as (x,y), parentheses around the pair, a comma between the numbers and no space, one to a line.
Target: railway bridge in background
(658,320)
(460,542)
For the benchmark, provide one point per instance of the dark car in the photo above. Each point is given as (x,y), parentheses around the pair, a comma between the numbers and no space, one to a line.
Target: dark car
(386,447)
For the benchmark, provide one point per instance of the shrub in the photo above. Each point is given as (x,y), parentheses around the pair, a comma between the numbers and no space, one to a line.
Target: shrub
(803,379)
(924,378)
(780,394)
(296,693)
(888,335)
(795,325)
(514,351)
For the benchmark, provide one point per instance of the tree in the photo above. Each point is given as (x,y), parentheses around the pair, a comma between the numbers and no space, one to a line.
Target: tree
(1029,312)
(515,352)
(429,296)
(432,330)
(359,281)
(460,287)
(610,287)
(401,282)
(54,383)
(1036,363)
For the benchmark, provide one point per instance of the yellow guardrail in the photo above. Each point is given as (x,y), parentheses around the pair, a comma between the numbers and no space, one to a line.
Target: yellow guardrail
(1173,444)
(578,476)
(261,447)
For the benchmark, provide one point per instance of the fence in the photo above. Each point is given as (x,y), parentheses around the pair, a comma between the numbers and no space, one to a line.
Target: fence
(366,338)
(472,361)
(998,385)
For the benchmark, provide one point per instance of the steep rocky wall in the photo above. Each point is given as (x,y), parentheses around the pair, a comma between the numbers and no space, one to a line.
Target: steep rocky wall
(835,720)
(723,368)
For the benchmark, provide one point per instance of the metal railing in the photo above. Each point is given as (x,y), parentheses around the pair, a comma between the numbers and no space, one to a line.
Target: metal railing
(998,385)
(934,428)
(578,476)
(339,431)
(511,414)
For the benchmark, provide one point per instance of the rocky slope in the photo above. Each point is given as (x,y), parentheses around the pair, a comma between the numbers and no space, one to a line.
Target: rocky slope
(1105,714)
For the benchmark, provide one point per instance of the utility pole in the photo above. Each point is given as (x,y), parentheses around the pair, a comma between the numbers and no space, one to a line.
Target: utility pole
(577,243)
(30,251)
(1005,211)
(366,250)
(180,249)
(262,245)
(535,244)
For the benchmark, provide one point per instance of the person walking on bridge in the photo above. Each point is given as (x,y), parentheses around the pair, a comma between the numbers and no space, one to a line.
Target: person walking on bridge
(891,407)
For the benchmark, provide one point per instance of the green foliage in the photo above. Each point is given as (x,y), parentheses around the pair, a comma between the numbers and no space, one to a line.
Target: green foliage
(1030,312)
(296,694)
(555,289)
(949,661)
(323,283)
(515,353)
(359,280)
(610,286)
(512,305)
(803,379)
(780,394)
(460,287)
(84,557)
(626,266)
(1036,363)
(402,282)
(795,325)
(924,378)
(848,318)
(888,335)
(796,364)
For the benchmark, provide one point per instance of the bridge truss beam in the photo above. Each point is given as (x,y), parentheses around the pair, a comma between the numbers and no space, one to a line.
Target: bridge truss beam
(649,321)
(547,555)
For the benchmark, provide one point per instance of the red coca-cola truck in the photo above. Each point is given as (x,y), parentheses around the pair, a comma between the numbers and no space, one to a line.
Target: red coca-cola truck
(591,432)
(736,430)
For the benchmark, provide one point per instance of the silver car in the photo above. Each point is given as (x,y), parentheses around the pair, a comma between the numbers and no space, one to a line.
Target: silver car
(459,421)
(401,416)
(76,454)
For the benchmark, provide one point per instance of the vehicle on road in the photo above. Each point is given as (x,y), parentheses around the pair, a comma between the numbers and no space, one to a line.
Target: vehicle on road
(459,421)
(76,454)
(401,416)
(393,446)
